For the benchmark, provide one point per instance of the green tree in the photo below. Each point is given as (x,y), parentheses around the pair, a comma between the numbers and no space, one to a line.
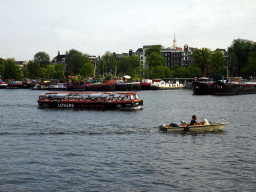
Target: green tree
(181,72)
(201,58)
(250,68)
(33,69)
(217,60)
(155,59)
(24,71)
(129,65)
(153,48)
(160,72)
(43,73)
(195,71)
(217,70)
(186,72)
(42,58)
(102,67)
(75,59)
(239,52)
(12,70)
(135,65)
(50,71)
(123,66)
(86,70)
(59,69)
(74,79)
(2,66)
(108,63)
(108,77)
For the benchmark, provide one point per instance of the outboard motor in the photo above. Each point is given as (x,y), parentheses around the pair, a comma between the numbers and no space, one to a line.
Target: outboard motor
(162,127)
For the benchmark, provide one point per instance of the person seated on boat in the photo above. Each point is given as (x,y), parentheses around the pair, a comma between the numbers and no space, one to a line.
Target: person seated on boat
(182,123)
(193,121)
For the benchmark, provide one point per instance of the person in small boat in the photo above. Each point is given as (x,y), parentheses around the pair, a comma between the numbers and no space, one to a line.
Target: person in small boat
(182,123)
(193,121)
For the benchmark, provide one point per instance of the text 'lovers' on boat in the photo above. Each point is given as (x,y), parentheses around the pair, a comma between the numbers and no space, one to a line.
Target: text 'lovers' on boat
(91,100)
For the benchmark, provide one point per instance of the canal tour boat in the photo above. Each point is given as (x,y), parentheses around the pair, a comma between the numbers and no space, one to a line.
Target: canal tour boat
(205,126)
(91,100)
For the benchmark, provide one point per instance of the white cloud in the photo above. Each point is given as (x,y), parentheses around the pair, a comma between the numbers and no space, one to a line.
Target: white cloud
(97,26)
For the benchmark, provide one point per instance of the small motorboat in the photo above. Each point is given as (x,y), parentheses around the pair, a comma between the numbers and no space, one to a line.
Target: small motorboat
(205,126)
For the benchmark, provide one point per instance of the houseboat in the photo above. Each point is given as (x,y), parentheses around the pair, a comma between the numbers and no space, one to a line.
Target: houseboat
(159,84)
(235,86)
(203,86)
(91,100)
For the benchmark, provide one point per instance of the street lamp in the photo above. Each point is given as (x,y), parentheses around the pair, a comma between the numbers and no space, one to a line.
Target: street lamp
(227,66)
(63,61)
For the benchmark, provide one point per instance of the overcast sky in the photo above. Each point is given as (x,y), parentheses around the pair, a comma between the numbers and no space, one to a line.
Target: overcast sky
(97,26)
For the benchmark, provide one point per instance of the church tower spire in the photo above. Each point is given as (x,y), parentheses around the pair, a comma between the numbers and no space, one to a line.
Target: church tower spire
(174,42)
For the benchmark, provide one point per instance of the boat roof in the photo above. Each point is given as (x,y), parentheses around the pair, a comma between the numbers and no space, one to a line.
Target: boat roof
(127,93)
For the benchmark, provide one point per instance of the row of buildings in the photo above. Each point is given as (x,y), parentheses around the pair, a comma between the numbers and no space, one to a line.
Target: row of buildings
(174,55)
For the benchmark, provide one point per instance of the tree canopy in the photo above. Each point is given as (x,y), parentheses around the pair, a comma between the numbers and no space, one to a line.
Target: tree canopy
(33,69)
(129,65)
(250,68)
(153,48)
(186,72)
(75,60)
(201,58)
(160,72)
(42,58)
(1,66)
(108,63)
(11,70)
(239,53)
(86,70)
(155,59)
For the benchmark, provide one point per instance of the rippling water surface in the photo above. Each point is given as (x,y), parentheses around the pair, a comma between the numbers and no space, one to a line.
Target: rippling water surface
(88,150)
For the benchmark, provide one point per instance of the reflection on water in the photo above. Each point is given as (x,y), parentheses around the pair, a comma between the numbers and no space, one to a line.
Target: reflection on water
(92,150)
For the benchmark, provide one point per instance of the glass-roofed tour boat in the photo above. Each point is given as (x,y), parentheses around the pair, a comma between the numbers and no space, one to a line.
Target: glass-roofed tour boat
(91,100)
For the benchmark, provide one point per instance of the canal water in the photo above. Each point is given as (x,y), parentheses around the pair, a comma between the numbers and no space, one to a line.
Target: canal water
(89,150)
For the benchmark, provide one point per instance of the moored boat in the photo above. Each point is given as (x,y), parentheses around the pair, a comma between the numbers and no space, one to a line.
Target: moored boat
(193,128)
(40,87)
(236,86)
(91,100)
(58,87)
(202,86)
(127,86)
(159,84)
(14,84)
(3,84)
(145,84)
